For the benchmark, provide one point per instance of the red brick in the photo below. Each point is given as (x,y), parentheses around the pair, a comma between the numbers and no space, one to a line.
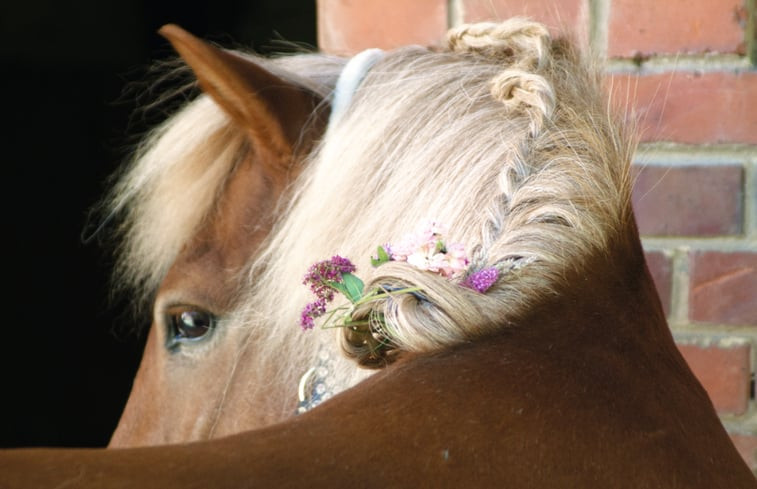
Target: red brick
(674,26)
(747,447)
(349,26)
(723,287)
(568,16)
(689,201)
(690,107)
(724,374)
(661,268)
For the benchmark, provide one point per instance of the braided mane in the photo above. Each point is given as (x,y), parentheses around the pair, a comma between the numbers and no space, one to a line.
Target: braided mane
(505,137)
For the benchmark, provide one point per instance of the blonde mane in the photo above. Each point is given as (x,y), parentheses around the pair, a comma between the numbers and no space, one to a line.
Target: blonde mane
(505,137)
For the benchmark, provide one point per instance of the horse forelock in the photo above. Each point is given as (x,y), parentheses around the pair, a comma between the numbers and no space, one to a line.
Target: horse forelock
(167,190)
(513,148)
(177,174)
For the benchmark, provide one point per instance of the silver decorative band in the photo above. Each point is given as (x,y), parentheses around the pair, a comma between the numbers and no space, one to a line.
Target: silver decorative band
(317,384)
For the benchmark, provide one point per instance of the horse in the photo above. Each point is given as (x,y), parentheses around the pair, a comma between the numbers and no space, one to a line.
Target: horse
(561,372)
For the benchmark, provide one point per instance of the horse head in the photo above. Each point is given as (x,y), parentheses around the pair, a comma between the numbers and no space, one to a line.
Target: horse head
(199,200)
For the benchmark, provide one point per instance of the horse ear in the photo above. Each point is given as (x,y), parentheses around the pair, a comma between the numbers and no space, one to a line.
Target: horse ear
(273,110)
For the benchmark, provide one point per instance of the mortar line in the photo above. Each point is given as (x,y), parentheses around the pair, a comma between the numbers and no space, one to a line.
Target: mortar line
(681,63)
(679,286)
(750,199)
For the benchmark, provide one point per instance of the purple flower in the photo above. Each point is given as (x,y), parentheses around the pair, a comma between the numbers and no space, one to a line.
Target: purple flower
(317,277)
(311,311)
(481,280)
(327,271)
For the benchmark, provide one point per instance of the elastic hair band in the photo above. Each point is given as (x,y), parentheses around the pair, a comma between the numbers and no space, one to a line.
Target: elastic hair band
(349,80)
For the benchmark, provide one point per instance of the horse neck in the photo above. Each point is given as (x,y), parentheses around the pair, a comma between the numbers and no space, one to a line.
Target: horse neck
(611,300)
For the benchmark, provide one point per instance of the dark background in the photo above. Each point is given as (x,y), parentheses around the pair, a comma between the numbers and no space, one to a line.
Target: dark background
(69,351)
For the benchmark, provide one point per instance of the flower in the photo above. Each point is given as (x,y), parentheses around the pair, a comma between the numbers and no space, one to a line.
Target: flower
(323,278)
(426,250)
(328,270)
(481,280)
(311,311)
(322,272)
(427,239)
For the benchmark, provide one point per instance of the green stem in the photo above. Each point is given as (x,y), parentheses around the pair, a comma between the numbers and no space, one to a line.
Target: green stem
(373,296)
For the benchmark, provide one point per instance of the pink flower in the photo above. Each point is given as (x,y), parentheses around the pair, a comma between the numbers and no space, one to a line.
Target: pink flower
(427,250)
(482,280)
(400,251)
(424,242)
(456,262)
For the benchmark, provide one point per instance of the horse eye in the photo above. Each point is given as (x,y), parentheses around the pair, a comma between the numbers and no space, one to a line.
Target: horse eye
(189,325)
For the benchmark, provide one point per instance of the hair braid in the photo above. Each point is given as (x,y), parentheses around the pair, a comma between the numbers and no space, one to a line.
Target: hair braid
(523,42)
(524,47)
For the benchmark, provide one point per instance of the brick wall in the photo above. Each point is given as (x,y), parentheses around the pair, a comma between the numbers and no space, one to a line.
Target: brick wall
(684,70)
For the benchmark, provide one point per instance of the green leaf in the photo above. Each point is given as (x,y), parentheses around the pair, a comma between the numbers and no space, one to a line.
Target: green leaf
(352,287)
(382,255)
(339,287)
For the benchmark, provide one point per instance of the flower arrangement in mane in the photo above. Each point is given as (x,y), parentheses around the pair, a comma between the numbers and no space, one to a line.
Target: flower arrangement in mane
(427,250)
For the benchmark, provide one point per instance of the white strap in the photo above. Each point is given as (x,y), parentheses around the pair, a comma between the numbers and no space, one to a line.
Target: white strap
(349,80)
